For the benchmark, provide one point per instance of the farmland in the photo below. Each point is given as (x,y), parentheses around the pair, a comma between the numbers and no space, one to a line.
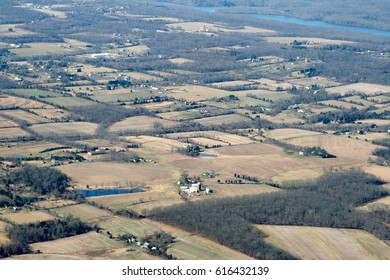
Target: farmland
(70,128)
(324,243)
(212,125)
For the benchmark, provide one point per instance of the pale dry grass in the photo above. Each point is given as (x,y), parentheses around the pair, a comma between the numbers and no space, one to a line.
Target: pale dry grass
(224,119)
(6,123)
(51,114)
(322,82)
(66,128)
(84,212)
(197,93)
(24,116)
(290,133)
(382,172)
(312,243)
(7,101)
(180,60)
(12,132)
(308,41)
(28,217)
(228,138)
(103,174)
(369,89)
(141,123)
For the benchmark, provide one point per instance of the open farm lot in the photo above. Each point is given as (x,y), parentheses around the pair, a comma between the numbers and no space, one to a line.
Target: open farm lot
(25,149)
(224,119)
(314,243)
(369,89)
(341,104)
(66,128)
(97,174)
(12,133)
(7,123)
(290,133)
(306,41)
(337,145)
(28,217)
(51,114)
(34,49)
(382,172)
(141,123)
(3,234)
(322,82)
(197,93)
(10,102)
(24,116)
(227,138)
(69,101)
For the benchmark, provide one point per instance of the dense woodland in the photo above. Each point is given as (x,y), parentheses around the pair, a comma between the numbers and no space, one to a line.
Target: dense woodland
(329,201)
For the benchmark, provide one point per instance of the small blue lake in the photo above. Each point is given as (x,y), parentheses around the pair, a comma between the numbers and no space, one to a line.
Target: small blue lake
(207,155)
(103,192)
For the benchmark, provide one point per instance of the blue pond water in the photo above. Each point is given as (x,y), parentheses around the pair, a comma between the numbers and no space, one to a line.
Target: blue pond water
(294,20)
(207,155)
(102,192)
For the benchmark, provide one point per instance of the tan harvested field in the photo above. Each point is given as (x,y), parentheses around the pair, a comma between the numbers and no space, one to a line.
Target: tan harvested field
(17,30)
(28,217)
(3,234)
(338,146)
(369,89)
(290,133)
(307,41)
(261,166)
(156,144)
(322,82)
(373,136)
(25,149)
(224,119)
(111,254)
(358,100)
(341,104)
(84,212)
(234,190)
(232,84)
(51,114)
(7,101)
(257,149)
(12,132)
(88,69)
(66,128)
(34,49)
(207,142)
(302,174)
(91,242)
(385,98)
(215,135)
(153,106)
(180,60)
(283,117)
(140,202)
(6,123)
(375,121)
(141,123)
(24,116)
(382,203)
(312,243)
(267,94)
(382,172)
(197,93)
(143,76)
(317,109)
(109,174)
(269,84)
(137,201)
(49,204)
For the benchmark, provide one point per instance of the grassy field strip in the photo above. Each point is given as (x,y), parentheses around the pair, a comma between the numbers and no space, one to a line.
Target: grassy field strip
(326,243)
(28,217)
(84,212)
(3,235)
(91,241)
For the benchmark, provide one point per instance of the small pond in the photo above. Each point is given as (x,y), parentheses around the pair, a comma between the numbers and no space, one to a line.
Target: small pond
(207,155)
(103,192)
